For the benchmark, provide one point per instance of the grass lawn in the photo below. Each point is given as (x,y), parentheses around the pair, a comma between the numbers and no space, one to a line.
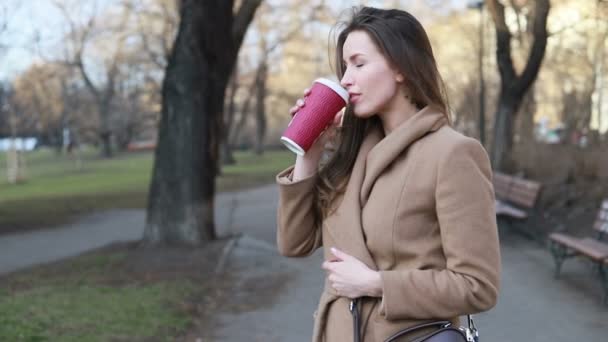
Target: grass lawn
(119,293)
(57,190)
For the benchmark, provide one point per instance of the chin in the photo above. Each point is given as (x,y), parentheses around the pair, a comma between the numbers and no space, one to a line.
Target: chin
(362,113)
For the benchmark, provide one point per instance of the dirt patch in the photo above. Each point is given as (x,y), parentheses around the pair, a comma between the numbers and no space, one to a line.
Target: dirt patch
(252,281)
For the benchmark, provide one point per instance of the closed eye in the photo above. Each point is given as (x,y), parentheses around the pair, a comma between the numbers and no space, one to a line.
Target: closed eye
(359,65)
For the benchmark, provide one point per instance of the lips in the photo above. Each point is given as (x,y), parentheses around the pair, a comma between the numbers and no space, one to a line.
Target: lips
(353,98)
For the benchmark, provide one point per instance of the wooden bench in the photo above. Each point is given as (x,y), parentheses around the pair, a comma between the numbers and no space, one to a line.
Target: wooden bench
(564,246)
(514,196)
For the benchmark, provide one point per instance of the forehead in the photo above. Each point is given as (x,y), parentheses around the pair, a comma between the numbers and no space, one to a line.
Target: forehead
(359,42)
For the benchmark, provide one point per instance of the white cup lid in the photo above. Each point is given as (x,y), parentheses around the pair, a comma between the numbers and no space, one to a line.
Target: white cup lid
(335,87)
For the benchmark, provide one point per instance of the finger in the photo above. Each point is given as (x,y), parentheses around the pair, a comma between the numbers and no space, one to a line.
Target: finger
(306,92)
(326,266)
(336,290)
(300,103)
(340,122)
(293,110)
(338,119)
(334,260)
(339,254)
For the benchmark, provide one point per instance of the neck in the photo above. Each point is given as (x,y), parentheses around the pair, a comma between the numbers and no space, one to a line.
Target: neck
(400,113)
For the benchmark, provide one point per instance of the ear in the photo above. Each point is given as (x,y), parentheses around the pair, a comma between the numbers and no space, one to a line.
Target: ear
(399,78)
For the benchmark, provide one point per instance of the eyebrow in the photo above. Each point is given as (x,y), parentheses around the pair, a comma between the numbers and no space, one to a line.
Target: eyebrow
(353,56)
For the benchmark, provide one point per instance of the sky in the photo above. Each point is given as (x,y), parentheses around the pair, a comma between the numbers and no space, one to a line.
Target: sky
(25,19)
(40,18)
(29,22)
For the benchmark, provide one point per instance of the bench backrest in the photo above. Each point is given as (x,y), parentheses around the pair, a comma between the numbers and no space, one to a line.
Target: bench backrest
(601,221)
(516,190)
(502,184)
(524,192)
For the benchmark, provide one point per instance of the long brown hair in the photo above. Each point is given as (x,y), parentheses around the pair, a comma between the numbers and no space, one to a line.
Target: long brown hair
(404,43)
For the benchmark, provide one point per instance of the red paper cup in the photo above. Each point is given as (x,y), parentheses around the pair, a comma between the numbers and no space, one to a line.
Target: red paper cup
(325,100)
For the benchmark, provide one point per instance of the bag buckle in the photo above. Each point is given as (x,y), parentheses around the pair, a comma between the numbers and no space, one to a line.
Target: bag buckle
(471,331)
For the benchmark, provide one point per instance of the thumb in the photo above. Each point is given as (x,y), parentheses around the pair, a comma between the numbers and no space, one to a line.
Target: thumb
(339,254)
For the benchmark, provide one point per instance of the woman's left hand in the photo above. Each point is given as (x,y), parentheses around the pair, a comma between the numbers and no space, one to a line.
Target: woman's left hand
(351,278)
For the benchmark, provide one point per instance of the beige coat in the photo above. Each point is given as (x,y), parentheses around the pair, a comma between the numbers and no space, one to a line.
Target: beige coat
(419,208)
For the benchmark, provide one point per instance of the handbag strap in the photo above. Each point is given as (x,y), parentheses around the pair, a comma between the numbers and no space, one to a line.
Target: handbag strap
(354,310)
(471,332)
(437,324)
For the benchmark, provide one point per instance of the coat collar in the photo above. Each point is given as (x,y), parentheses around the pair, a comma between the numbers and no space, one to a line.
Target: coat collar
(377,152)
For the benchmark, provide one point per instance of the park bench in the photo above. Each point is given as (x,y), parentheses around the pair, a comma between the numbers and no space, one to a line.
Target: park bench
(515,196)
(564,246)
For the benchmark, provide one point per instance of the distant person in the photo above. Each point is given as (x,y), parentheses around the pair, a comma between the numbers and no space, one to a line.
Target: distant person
(404,207)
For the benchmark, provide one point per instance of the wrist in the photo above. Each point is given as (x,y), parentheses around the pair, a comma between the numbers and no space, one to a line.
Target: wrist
(375,289)
(305,167)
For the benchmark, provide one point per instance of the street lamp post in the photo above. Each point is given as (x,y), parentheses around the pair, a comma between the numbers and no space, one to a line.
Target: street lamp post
(478,4)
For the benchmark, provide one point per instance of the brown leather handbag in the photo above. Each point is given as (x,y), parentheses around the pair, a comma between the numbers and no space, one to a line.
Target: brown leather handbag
(445,332)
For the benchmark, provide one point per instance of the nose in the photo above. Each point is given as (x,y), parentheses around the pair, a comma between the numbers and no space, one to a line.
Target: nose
(346,80)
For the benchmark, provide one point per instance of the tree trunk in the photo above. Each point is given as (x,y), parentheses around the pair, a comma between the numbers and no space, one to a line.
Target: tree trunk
(181,198)
(106,143)
(503,131)
(513,87)
(238,128)
(227,156)
(260,111)
(525,129)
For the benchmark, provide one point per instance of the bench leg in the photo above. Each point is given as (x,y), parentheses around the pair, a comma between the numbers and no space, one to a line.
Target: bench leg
(560,253)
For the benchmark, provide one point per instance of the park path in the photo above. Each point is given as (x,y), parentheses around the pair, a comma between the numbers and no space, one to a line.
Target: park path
(532,306)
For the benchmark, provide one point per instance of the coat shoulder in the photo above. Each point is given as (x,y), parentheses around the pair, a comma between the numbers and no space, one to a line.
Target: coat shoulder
(446,140)
(448,136)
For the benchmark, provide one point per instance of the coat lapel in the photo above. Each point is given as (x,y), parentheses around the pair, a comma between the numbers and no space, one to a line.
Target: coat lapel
(386,151)
(376,153)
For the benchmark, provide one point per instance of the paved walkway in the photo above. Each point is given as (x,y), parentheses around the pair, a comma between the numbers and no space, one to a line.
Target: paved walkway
(532,305)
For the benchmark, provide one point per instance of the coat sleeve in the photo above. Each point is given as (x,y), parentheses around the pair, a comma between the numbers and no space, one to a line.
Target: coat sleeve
(464,199)
(297,233)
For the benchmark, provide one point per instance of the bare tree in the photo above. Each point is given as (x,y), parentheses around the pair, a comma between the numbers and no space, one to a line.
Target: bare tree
(157,22)
(103,90)
(266,49)
(513,87)
(182,190)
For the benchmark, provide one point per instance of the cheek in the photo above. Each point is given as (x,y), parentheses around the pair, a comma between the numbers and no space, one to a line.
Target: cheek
(383,91)
(381,82)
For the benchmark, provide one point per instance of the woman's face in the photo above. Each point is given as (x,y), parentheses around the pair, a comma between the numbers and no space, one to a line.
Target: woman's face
(374,87)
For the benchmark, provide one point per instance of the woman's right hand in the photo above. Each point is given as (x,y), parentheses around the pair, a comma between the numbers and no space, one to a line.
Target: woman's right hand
(307,165)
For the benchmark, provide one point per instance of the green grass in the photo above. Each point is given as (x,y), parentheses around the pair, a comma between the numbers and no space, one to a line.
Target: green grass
(89,313)
(56,190)
(72,303)
(48,175)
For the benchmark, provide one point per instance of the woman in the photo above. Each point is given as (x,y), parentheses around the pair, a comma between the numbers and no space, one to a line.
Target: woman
(404,208)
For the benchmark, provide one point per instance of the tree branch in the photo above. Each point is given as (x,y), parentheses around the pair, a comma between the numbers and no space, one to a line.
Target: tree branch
(541,12)
(242,19)
(503,42)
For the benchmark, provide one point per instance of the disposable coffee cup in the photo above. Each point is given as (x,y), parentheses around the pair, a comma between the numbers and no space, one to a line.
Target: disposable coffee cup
(325,100)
